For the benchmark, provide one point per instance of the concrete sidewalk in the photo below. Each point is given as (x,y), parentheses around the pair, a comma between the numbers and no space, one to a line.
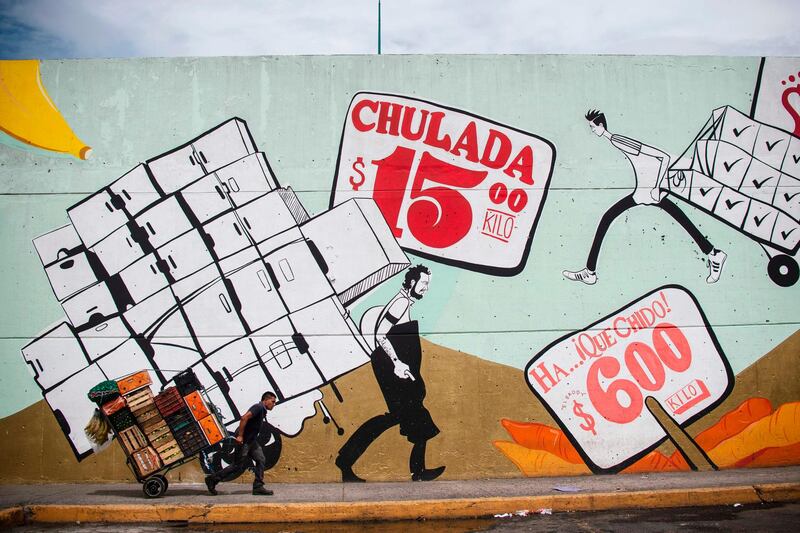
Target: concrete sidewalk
(393,501)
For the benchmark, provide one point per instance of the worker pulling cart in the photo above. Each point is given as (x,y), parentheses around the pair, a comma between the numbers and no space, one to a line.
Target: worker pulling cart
(158,432)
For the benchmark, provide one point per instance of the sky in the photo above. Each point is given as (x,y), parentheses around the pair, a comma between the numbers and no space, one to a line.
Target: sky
(54,29)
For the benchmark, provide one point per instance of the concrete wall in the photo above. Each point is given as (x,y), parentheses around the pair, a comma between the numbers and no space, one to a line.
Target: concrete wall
(487,172)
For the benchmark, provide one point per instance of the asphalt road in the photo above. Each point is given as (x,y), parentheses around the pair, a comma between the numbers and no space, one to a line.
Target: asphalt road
(745,518)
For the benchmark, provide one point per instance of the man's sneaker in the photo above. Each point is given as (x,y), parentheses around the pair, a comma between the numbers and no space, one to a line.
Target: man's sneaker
(211,484)
(715,261)
(262,491)
(586,276)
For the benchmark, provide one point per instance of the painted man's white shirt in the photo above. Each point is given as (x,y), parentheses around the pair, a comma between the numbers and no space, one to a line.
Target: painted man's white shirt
(645,168)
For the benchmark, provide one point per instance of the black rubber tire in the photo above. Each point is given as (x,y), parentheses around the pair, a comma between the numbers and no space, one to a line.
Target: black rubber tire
(272,450)
(154,486)
(224,456)
(783,270)
(224,453)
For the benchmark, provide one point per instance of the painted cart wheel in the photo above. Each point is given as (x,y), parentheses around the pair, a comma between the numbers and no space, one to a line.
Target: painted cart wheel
(155,486)
(224,456)
(224,453)
(270,440)
(783,270)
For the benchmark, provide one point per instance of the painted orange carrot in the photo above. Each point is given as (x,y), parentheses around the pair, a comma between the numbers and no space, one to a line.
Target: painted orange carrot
(652,462)
(535,436)
(780,456)
(780,429)
(731,423)
(734,422)
(533,463)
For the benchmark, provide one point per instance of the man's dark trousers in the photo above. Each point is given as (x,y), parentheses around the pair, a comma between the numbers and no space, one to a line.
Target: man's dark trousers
(253,451)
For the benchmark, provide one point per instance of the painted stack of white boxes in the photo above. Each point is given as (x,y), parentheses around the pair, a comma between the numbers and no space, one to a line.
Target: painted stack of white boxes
(747,174)
(198,258)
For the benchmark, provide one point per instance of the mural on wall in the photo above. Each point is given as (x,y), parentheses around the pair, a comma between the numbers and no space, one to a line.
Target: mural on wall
(744,173)
(199,259)
(396,362)
(777,97)
(604,384)
(28,114)
(747,174)
(650,169)
(750,436)
(454,187)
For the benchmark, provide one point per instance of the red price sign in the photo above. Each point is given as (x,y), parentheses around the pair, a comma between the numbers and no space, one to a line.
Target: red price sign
(452,186)
(595,381)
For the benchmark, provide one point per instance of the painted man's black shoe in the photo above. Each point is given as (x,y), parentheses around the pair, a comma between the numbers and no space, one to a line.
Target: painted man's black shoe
(262,491)
(428,474)
(348,476)
(211,484)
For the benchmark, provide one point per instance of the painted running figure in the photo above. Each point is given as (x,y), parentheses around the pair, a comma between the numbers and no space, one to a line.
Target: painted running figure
(650,168)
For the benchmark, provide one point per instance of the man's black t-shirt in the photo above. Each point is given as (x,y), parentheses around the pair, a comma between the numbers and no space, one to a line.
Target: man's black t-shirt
(253,425)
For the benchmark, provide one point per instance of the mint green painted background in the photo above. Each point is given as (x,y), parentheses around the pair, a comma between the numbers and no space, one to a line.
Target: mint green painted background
(131,110)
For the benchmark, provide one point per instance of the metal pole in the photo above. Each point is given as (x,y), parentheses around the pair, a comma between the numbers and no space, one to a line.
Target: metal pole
(379,27)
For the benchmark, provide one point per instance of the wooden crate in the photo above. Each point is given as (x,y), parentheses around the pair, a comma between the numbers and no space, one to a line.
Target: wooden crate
(152,423)
(148,414)
(134,381)
(196,405)
(145,461)
(109,408)
(139,399)
(191,439)
(170,452)
(122,419)
(179,419)
(169,401)
(131,440)
(156,430)
(211,428)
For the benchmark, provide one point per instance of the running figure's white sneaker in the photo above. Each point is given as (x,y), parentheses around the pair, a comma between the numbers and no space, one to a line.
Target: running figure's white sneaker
(715,261)
(586,276)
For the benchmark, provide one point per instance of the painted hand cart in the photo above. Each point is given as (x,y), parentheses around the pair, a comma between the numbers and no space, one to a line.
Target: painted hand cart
(747,175)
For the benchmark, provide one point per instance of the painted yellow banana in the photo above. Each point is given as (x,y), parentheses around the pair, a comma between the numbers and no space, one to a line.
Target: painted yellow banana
(28,114)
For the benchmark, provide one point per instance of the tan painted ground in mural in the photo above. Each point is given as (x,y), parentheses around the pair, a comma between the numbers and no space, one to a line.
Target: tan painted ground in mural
(467,396)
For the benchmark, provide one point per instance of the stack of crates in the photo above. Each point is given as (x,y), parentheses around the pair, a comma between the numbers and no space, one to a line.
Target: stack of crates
(184,428)
(192,436)
(168,402)
(128,415)
(157,431)
(209,427)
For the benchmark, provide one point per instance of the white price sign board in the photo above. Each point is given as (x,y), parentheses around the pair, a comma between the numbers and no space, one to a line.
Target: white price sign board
(595,381)
(453,187)
(777,98)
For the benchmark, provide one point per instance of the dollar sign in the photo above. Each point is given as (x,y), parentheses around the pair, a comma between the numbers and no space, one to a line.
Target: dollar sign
(356,183)
(577,408)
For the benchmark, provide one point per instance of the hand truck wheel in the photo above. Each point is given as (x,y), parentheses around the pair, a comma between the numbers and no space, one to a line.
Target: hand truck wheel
(155,486)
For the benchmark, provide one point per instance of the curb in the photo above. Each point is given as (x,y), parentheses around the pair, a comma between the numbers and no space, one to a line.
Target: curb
(398,510)
(12,516)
